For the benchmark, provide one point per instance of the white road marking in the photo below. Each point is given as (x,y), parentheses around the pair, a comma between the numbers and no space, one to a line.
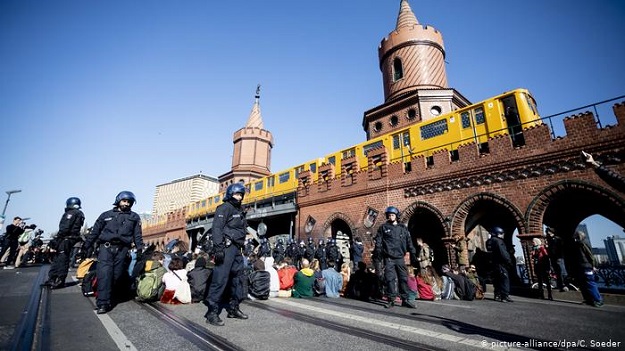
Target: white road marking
(116,334)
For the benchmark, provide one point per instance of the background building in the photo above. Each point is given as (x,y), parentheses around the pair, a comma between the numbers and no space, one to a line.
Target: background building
(181,192)
(615,249)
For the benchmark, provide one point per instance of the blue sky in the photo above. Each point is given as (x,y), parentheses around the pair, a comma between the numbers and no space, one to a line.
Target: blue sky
(102,96)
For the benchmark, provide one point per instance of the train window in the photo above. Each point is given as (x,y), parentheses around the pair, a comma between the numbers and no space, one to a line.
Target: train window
(284,177)
(412,114)
(394,121)
(366,148)
(349,153)
(479,115)
(531,103)
(398,69)
(271,181)
(298,170)
(405,139)
(259,185)
(204,203)
(248,188)
(313,167)
(217,198)
(466,119)
(377,127)
(434,129)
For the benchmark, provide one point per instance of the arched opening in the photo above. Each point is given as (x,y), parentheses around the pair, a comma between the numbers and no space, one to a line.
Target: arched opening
(426,223)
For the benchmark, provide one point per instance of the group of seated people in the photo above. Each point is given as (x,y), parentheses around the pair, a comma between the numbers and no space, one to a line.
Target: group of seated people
(265,279)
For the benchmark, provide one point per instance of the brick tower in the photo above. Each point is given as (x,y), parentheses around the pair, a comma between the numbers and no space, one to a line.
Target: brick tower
(251,157)
(412,61)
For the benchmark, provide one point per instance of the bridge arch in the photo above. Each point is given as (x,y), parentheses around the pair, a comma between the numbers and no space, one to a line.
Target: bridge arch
(428,223)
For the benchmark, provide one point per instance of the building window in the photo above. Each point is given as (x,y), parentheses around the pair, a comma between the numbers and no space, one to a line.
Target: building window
(394,121)
(412,114)
(398,69)
(377,127)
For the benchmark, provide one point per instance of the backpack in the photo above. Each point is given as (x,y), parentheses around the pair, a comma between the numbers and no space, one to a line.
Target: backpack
(24,237)
(84,268)
(149,285)
(447,291)
(319,286)
(90,283)
(183,292)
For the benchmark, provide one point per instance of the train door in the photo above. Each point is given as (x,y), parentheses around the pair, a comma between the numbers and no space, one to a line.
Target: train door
(511,114)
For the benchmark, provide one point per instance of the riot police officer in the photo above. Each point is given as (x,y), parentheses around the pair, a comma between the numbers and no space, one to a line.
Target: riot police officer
(321,255)
(392,243)
(229,230)
(334,254)
(68,235)
(501,261)
(279,251)
(265,248)
(115,231)
(309,254)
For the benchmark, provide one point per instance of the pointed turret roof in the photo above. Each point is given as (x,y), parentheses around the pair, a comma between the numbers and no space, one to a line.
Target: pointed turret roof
(405,18)
(255,120)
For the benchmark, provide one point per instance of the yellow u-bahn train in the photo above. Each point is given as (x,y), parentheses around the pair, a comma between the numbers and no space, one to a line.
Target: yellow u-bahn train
(506,114)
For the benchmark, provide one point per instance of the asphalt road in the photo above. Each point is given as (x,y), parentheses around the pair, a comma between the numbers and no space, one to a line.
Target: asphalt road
(319,323)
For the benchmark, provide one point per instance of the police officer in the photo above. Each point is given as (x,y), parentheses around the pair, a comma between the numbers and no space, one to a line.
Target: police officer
(115,231)
(279,251)
(265,248)
(68,235)
(392,243)
(309,253)
(229,230)
(501,261)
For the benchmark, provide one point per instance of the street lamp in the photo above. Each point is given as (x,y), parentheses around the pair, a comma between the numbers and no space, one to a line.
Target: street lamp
(6,204)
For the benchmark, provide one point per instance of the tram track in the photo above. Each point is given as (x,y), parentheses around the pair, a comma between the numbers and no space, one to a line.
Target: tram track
(33,330)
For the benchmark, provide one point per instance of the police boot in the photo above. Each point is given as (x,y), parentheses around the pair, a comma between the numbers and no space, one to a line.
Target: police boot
(236,313)
(213,319)
(57,283)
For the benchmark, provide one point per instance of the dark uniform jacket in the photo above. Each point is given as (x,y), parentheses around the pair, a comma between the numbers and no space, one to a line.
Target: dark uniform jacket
(394,241)
(499,252)
(70,224)
(117,227)
(229,223)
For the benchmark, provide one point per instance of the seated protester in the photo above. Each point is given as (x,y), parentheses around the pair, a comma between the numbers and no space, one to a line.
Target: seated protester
(274,283)
(463,288)
(362,283)
(413,289)
(304,280)
(432,279)
(286,273)
(346,272)
(425,290)
(333,279)
(172,280)
(319,285)
(199,278)
(472,275)
(259,281)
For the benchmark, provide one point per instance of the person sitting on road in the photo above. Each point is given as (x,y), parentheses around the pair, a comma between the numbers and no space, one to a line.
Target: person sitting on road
(274,283)
(172,280)
(346,272)
(286,273)
(259,281)
(333,280)
(304,280)
(199,278)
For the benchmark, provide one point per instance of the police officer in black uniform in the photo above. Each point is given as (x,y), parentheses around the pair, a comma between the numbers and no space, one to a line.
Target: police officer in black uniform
(115,231)
(229,230)
(279,251)
(392,243)
(68,235)
(322,255)
(309,253)
(501,261)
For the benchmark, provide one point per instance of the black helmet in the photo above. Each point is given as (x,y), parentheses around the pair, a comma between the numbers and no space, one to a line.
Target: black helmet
(125,195)
(72,202)
(233,189)
(321,242)
(497,231)
(392,209)
(310,240)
